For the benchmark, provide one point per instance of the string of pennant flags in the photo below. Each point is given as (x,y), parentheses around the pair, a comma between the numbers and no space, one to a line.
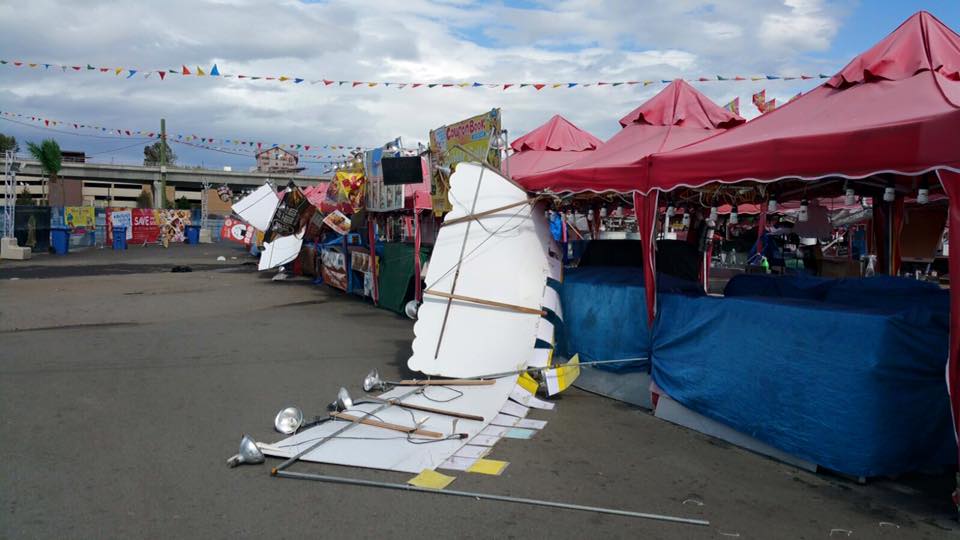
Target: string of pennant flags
(234,144)
(214,71)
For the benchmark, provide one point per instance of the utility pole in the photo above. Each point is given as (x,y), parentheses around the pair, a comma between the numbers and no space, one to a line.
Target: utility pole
(163,163)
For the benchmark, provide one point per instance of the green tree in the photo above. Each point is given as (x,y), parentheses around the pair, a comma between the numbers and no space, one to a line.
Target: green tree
(151,154)
(8,143)
(144,200)
(51,161)
(183,203)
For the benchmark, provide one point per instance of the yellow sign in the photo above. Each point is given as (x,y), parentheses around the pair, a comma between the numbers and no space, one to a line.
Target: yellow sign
(468,140)
(79,217)
(488,466)
(560,378)
(431,479)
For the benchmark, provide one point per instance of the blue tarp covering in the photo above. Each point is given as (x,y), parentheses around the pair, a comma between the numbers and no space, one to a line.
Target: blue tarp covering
(857,388)
(604,316)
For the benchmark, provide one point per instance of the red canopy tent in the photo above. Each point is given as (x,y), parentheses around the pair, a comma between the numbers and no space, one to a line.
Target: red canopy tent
(677,116)
(891,115)
(553,145)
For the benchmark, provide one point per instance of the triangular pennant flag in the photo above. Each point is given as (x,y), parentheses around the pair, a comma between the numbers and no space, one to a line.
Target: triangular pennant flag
(327,82)
(789,78)
(556,85)
(371,84)
(185,71)
(524,85)
(104,70)
(772,77)
(539,86)
(508,85)
(617,83)
(32,65)
(283,78)
(665,81)
(162,74)
(756,78)
(241,76)
(720,78)
(759,99)
(805,77)
(647,83)
(91,68)
(356,83)
(75,68)
(3,61)
(704,79)
(602,84)
(476,84)
(447,85)
(402,85)
(46,123)
(431,85)
(633,82)
(733,106)
(571,84)
(269,78)
(739,78)
(255,78)
(18,63)
(297,81)
(214,72)
(416,84)
(822,76)
(117,71)
(132,72)
(200,72)
(307,147)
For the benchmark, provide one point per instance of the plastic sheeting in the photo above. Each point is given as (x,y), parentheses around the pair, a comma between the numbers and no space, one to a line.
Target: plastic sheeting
(857,390)
(602,318)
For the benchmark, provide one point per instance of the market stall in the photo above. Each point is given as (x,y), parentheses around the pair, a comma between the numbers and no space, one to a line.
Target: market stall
(885,126)
(608,282)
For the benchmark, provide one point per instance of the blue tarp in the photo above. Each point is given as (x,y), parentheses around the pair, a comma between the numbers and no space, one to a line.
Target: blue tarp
(854,388)
(604,317)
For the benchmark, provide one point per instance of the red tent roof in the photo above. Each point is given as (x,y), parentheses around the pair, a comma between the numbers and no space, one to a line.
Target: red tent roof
(677,116)
(895,108)
(553,145)
(558,134)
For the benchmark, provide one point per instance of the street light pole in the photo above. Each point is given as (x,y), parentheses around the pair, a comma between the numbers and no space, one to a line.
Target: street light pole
(163,163)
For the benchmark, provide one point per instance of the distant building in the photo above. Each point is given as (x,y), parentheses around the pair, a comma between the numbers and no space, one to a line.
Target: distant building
(278,160)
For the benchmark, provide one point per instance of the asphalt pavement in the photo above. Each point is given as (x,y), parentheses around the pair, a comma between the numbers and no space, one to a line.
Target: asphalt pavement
(123,392)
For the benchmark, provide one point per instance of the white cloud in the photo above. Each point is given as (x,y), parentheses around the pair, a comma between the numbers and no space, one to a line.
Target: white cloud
(417,40)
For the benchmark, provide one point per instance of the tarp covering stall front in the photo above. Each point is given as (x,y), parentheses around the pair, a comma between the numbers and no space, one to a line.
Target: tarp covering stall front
(857,390)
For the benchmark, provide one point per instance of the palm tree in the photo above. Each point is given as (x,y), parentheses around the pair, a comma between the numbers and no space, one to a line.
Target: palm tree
(50,158)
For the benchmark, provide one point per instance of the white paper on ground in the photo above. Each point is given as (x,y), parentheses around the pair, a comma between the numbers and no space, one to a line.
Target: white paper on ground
(391,450)
(504,420)
(474,452)
(505,258)
(530,423)
(520,395)
(537,403)
(457,463)
(484,440)
(258,208)
(514,409)
(494,431)
(281,251)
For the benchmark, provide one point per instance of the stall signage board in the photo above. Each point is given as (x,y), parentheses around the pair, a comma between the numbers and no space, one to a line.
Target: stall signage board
(380,197)
(473,134)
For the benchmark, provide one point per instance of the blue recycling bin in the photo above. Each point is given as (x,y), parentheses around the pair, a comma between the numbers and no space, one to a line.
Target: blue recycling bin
(60,239)
(192,234)
(119,238)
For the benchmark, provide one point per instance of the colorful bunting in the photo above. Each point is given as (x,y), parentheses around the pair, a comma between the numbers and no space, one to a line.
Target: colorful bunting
(733,106)
(214,71)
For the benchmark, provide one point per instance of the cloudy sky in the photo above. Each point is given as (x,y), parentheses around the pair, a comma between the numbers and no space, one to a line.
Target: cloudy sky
(403,41)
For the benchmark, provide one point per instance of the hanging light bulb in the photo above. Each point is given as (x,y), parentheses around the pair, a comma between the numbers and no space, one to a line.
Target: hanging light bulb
(713,213)
(849,196)
(923,192)
(772,205)
(671,210)
(686,217)
(734,216)
(804,213)
(889,194)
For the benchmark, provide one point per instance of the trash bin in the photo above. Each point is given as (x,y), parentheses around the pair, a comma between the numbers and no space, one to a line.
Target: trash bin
(60,239)
(192,234)
(119,238)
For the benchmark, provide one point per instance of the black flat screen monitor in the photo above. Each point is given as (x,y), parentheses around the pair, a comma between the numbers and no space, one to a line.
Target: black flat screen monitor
(402,170)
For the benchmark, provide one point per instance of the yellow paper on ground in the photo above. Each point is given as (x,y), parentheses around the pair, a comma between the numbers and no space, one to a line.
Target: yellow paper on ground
(559,379)
(528,383)
(488,466)
(431,479)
